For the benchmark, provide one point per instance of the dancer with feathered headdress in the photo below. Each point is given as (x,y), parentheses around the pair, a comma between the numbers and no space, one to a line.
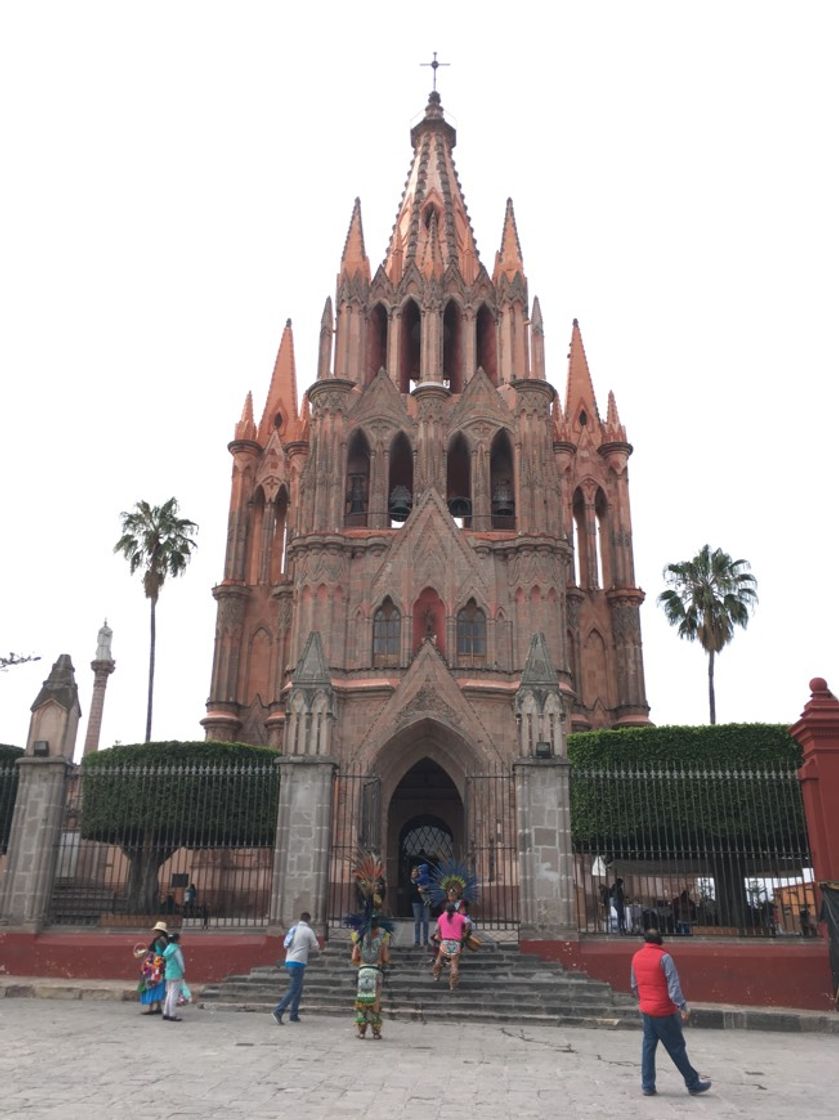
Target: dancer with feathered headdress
(452,884)
(370,943)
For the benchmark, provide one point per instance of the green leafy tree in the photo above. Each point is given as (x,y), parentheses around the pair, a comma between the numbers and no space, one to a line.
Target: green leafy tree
(152,799)
(158,541)
(706,598)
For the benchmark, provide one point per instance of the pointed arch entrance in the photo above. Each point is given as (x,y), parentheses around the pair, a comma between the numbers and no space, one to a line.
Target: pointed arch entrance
(425,824)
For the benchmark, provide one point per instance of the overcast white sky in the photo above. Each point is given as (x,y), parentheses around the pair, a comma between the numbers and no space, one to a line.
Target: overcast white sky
(178,181)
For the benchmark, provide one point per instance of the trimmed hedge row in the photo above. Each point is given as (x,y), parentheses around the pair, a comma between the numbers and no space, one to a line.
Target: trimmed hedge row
(685,791)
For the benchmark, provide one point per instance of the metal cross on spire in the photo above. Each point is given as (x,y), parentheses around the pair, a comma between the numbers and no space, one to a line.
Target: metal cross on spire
(434,64)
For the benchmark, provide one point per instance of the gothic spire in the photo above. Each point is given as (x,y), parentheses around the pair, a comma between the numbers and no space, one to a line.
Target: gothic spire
(246,429)
(508,260)
(281,405)
(579,398)
(432,223)
(354,258)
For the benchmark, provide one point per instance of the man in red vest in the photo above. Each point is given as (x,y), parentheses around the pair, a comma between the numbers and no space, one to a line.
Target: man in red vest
(655,982)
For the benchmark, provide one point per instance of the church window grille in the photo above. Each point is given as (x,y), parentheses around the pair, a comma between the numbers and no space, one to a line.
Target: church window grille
(387,629)
(471,635)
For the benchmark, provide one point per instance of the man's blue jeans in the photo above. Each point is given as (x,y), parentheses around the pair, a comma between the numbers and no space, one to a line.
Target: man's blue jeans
(422,913)
(666,1029)
(291,999)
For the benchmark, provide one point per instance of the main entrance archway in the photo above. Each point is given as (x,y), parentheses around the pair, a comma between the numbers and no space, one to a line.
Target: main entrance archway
(425,819)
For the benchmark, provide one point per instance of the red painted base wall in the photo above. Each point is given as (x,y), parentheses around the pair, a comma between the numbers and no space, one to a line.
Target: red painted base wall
(770,973)
(756,973)
(102,955)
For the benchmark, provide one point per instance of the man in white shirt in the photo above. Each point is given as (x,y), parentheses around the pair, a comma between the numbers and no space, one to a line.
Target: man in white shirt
(299,942)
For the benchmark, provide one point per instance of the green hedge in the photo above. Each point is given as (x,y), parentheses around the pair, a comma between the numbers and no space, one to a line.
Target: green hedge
(729,744)
(180,794)
(630,796)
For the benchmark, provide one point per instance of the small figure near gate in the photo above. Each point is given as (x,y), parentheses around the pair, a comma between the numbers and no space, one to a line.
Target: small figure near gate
(175,972)
(655,981)
(152,986)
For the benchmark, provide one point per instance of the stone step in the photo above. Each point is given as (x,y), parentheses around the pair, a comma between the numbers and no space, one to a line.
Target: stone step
(520,988)
(604,1019)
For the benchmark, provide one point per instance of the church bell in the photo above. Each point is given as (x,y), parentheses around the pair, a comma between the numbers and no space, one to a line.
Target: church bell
(400,504)
(460,507)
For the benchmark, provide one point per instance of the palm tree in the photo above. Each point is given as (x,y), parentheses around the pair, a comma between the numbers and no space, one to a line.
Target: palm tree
(706,598)
(155,539)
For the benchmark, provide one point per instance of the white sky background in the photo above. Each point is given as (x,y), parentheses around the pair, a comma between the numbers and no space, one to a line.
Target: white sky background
(179,178)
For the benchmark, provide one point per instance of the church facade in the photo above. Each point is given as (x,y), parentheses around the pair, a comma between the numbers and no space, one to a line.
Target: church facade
(429,570)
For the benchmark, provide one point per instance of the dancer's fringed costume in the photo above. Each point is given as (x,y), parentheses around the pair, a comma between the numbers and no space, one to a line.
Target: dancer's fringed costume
(451,884)
(371,943)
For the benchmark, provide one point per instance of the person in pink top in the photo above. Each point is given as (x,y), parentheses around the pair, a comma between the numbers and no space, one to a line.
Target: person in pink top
(451,930)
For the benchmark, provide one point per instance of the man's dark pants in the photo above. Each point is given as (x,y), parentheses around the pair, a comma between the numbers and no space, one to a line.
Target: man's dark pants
(666,1029)
(291,999)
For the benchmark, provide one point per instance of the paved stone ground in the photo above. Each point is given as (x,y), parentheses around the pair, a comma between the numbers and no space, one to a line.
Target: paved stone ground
(92,1060)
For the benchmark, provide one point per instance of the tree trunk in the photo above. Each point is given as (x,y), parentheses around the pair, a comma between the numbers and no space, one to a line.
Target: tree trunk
(711,698)
(730,890)
(143,887)
(152,642)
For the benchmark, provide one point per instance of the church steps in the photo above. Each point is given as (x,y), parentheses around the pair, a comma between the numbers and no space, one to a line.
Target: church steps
(496,986)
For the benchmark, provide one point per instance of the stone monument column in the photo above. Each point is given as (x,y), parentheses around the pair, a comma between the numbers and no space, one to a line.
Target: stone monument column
(301,854)
(546,861)
(26,887)
(102,665)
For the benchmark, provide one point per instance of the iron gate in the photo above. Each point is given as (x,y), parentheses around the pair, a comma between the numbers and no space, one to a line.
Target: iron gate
(492,848)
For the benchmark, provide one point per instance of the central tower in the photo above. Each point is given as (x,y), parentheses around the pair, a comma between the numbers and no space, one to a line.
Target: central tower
(432,559)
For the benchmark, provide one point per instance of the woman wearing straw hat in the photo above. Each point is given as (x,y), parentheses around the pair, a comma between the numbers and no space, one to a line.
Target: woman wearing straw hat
(152,986)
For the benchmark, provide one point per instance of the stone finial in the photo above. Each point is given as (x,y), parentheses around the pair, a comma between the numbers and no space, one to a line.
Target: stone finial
(55,713)
(103,644)
(59,686)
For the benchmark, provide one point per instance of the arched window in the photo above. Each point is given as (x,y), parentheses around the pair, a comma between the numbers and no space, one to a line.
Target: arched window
(358,481)
(400,487)
(486,347)
(601,512)
(409,346)
(387,629)
(578,510)
(280,542)
(376,342)
(458,481)
(453,347)
(501,485)
(471,635)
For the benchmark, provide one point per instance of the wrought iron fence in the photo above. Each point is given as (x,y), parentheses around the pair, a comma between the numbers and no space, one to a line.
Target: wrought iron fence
(492,847)
(191,842)
(8,793)
(691,851)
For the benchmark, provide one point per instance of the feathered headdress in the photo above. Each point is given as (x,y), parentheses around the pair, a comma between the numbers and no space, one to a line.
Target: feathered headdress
(452,875)
(369,875)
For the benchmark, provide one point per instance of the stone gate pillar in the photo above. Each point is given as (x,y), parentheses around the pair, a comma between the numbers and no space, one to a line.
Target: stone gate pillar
(301,854)
(26,886)
(818,733)
(546,863)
